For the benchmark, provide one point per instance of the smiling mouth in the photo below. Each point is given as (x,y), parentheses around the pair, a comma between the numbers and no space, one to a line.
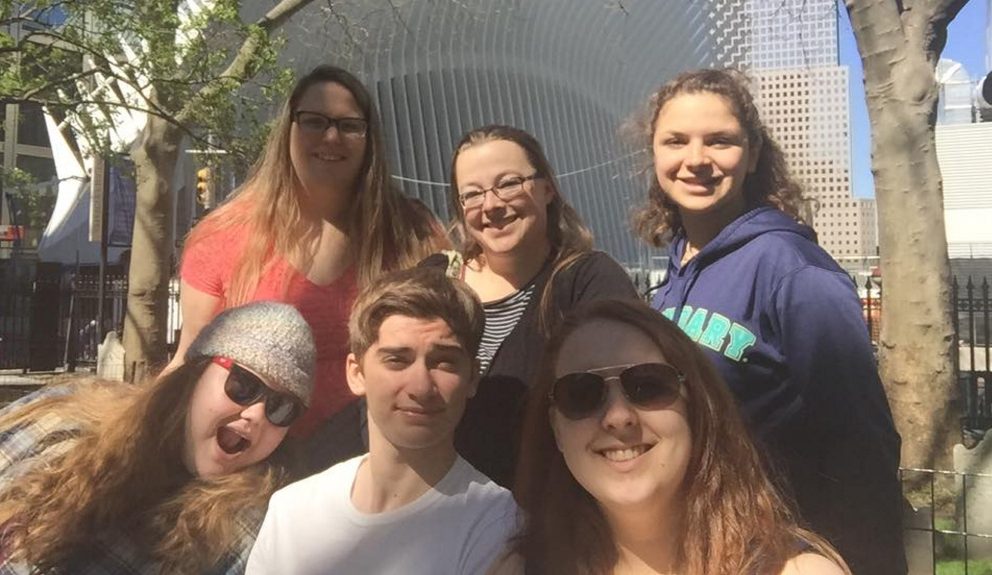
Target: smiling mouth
(500,223)
(419,411)
(328,157)
(231,442)
(700,183)
(625,454)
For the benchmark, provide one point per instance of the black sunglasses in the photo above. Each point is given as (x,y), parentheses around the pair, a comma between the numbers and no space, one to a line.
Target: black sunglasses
(245,388)
(646,385)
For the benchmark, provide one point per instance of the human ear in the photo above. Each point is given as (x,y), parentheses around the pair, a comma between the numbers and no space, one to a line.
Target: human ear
(549,193)
(353,371)
(752,159)
(554,428)
(473,385)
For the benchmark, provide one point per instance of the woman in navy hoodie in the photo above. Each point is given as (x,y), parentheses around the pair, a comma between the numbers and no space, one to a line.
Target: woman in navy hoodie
(776,314)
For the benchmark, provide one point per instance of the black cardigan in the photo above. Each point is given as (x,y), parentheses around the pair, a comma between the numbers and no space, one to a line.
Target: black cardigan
(488,434)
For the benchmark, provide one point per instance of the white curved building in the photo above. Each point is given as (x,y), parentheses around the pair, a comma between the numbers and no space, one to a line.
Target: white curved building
(571,72)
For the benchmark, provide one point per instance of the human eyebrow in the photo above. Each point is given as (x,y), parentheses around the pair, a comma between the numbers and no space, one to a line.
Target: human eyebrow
(726,134)
(448,348)
(400,350)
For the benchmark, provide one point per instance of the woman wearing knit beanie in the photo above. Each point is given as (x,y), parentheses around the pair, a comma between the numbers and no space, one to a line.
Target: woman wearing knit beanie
(172,476)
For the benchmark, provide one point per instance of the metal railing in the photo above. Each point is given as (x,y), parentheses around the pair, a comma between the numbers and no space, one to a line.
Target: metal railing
(52,317)
(949,526)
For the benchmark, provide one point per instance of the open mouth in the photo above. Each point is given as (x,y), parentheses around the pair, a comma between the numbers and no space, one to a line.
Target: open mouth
(230,441)
(328,157)
(625,454)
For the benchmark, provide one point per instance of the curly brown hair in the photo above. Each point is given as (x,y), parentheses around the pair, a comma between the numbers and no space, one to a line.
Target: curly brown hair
(124,474)
(769,184)
(735,521)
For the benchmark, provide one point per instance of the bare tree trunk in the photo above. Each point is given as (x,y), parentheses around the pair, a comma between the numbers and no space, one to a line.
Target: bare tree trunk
(917,338)
(899,44)
(151,249)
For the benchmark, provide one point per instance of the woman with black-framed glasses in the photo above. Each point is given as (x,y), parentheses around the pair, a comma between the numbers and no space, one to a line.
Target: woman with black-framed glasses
(317,219)
(171,476)
(529,257)
(637,461)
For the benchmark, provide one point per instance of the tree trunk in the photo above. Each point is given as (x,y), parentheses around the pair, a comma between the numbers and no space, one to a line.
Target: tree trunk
(917,339)
(155,159)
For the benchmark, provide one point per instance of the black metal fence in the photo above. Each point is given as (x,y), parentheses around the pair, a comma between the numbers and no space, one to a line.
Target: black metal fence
(948,530)
(54,316)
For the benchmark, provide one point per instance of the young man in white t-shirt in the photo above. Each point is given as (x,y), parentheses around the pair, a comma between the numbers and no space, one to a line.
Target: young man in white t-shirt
(411,505)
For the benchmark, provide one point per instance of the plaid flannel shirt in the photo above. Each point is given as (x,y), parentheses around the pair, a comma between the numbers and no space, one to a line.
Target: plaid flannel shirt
(114,552)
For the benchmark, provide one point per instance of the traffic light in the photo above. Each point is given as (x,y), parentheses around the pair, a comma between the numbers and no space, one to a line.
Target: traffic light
(204,188)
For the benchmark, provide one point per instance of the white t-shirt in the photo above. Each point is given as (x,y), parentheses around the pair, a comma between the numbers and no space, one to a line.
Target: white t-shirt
(460,526)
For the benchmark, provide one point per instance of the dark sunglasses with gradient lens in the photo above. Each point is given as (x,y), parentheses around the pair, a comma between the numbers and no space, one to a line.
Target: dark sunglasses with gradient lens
(646,385)
(245,388)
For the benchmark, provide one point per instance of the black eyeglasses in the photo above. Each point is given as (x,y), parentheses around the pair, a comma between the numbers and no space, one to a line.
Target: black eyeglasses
(317,123)
(506,189)
(245,388)
(646,385)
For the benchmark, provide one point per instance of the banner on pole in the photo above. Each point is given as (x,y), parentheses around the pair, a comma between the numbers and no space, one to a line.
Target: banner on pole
(98,191)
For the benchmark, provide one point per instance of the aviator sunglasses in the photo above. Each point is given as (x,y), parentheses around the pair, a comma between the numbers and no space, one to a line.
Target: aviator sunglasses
(245,388)
(646,385)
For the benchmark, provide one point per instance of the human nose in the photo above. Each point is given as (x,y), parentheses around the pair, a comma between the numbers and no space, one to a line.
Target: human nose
(332,133)
(491,201)
(696,155)
(421,383)
(254,412)
(618,412)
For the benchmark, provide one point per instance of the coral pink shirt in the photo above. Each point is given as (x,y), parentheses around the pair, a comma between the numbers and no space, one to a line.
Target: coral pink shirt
(209,265)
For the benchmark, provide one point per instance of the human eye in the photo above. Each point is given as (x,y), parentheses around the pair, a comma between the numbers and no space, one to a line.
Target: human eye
(449,364)
(352,126)
(510,184)
(671,141)
(723,141)
(470,196)
(394,362)
(312,122)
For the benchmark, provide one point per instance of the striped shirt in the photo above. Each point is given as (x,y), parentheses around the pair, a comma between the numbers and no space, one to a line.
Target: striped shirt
(501,317)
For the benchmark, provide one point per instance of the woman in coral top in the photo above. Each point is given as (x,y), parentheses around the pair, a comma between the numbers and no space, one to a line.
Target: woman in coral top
(316,219)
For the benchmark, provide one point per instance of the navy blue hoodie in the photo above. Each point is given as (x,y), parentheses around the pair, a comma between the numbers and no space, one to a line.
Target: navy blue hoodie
(783,324)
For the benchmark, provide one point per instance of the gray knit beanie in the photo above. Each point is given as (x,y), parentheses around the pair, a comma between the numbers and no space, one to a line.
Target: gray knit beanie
(272,339)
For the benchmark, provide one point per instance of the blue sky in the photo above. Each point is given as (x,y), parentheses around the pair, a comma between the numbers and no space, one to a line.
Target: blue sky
(965,43)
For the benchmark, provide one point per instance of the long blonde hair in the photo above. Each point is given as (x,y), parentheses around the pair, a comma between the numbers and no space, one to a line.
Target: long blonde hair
(734,520)
(387,230)
(124,474)
(568,235)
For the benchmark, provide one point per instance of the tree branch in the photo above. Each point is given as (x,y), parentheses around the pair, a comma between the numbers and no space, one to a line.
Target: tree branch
(31,94)
(936,15)
(239,68)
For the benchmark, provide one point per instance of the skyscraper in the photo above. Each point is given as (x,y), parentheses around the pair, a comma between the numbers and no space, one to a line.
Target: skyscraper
(803,95)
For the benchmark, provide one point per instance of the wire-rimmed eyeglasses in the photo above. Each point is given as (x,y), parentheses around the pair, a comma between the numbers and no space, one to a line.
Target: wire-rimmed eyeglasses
(506,189)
